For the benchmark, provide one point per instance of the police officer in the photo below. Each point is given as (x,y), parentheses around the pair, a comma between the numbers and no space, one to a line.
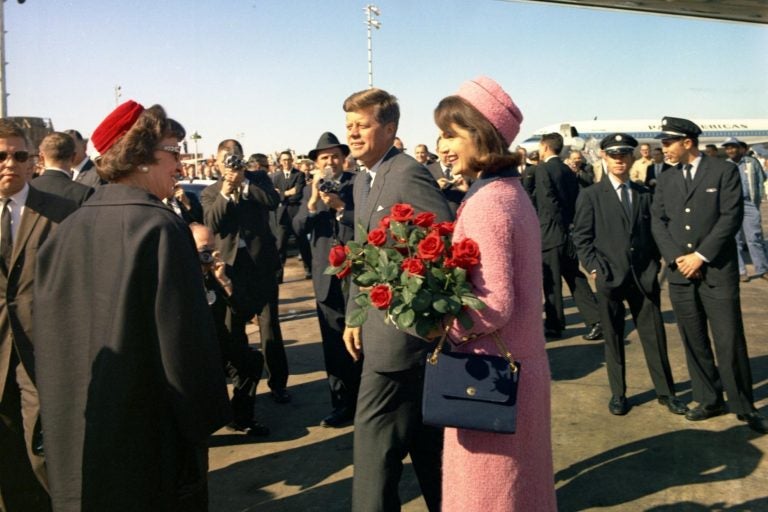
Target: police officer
(612,234)
(697,211)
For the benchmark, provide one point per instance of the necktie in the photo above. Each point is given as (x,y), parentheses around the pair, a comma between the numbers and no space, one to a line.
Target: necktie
(688,178)
(366,188)
(6,237)
(447,172)
(625,200)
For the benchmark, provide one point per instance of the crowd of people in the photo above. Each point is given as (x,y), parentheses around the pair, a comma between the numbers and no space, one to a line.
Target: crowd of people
(112,410)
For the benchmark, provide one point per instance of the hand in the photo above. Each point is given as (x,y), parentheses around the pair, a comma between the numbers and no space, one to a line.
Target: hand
(219,268)
(444,183)
(332,200)
(460,185)
(290,192)
(593,274)
(689,265)
(181,197)
(231,181)
(353,342)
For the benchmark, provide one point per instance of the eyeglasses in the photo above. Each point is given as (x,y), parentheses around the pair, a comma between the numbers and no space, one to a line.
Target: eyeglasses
(19,156)
(175,150)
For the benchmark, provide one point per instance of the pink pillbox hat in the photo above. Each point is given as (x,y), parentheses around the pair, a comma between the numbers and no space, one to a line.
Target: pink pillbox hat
(497,107)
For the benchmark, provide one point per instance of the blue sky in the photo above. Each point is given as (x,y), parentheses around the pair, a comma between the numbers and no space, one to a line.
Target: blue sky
(274,73)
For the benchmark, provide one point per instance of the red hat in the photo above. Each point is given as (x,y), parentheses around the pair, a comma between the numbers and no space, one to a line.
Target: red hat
(115,125)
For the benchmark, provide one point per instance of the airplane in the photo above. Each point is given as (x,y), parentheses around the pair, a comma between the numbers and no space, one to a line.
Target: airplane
(581,134)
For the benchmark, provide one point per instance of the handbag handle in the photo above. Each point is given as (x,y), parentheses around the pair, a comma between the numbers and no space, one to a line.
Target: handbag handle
(506,354)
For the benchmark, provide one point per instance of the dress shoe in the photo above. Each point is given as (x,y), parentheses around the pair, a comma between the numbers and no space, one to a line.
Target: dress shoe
(674,404)
(744,278)
(307,274)
(552,334)
(338,418)
(764,276)
(595,333)
(280,396)
(253,428)
(701,412)
(618,406)
(755,421)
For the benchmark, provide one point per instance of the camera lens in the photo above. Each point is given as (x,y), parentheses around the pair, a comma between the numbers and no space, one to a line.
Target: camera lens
(206,257)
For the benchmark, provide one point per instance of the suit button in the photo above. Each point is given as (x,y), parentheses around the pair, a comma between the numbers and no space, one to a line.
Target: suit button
(631,249)
(690,246)
(687,228)
(687,210)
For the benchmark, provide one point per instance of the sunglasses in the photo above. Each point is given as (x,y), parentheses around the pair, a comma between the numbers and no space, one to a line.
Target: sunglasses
(19,156)
(175,150)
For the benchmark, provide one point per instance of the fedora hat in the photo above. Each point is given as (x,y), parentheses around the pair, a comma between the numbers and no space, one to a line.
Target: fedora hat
(328,141)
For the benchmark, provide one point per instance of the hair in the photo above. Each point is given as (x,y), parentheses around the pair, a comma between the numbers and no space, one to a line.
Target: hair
(644,144)
(10,129)
(385,107)
(285,152)
(553,141)
(75,135)
(421,146)
(137,146)
(58,147)
(493,152)
(230,145)
(711,146)
(178,131)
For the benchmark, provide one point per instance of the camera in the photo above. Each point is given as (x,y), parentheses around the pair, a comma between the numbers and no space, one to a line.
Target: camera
(235,163)
(326,183)
(206,256)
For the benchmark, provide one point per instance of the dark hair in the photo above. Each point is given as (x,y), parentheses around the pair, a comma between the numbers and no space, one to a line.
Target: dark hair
(58,147)
(75,135)
(178,131)
(137,147)
(553,141)
(386,110)
(230,145)
(493,152)
(285,152)
(10,129)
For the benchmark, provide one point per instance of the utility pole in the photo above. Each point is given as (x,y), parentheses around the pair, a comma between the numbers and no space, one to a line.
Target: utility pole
(371,11)
(195,137)
(3,93)
(118,93)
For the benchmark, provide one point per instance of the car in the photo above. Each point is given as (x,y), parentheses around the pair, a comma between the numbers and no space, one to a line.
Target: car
(195,187)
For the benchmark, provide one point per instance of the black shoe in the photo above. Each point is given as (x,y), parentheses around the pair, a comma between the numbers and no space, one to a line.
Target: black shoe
(618,405)
(307,274)
(338,418)
(674,404)
(755,421)
(701,412)
(595,333)
(552,334)
(253,428)
(280,396)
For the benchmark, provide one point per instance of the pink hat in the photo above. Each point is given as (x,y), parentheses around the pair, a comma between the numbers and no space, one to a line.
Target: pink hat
(115,125)
(497,107)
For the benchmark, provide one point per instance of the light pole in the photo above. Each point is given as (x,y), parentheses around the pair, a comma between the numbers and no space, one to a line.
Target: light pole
(118,93)
(3,94)
(195,137)
(371,11)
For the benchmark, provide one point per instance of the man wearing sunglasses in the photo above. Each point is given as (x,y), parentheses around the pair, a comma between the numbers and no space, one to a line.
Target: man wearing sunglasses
(27,217)
(58,153)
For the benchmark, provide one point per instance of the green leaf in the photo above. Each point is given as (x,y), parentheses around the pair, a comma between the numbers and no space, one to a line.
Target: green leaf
(367,278)
(415,237)
(441,304)
(363,300)
(421,301)
(399,230)
(454,306)
(423,326)
(408,295)
(371,255)
(390,271)
(406,318)
(472,302)
(414,283)
(356,317)
(465,320)
(332,271)
(362,234)
(460,276)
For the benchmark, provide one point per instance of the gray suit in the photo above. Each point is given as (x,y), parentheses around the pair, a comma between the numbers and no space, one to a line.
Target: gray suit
(388,424)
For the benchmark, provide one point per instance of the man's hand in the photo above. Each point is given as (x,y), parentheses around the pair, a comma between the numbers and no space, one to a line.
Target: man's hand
(353,342)
(181,197)
(290,192)
(332,200)
(689,265)
(460,184)
(444,183)
(231,181)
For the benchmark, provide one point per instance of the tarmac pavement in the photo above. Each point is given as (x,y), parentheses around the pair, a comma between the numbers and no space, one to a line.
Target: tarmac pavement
(648,460)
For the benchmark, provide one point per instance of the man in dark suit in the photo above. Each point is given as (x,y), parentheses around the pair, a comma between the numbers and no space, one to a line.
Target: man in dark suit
(289,183)
(388,424)
(697,211)
(28,217)
(237,210)
(58,152)
(655,169)
(84,170)
(327,215)
(454,188)
(556,190)
(612,234)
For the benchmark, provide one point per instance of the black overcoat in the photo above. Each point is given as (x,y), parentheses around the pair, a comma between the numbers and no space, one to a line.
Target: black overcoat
(129,370)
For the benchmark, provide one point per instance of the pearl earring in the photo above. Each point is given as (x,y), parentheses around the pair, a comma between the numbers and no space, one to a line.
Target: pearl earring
(144,168)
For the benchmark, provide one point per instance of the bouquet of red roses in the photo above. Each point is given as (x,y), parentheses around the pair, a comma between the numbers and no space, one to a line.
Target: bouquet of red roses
(409,268)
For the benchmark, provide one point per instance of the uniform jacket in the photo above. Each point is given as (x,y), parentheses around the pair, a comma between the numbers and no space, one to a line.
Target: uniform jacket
(703,220)
(610,243)
(42,214)
(246,220)
(556,190)
(399,179)
(56,182)
(132,389)
(288,205)
(325,232)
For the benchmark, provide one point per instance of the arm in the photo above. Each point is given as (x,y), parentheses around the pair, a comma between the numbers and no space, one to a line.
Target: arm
(584,234)
(262,190)
(670,249)
(218,212)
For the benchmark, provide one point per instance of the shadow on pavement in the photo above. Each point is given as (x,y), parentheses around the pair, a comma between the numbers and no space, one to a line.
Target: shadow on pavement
(688,506)
(647,466)
(573,362)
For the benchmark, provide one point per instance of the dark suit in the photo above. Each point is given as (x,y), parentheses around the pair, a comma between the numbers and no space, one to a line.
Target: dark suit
(55,181)
(556,190)
(705,219)
(88,175)
(388,423)
(529,182)
(22,473)
(622,253)
(651,176)
(325,232)
(254,263)
(287,210)
(452,195)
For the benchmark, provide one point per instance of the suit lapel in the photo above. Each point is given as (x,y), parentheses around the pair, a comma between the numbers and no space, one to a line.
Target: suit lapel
(378,185)
(633,189)
(700,171)
(614,207)
(29,219)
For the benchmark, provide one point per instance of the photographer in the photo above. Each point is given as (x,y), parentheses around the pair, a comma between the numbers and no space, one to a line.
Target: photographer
(242,364)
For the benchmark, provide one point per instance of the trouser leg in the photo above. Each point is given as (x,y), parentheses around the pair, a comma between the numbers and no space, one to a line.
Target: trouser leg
(554,316)
(343,372)
(612,317)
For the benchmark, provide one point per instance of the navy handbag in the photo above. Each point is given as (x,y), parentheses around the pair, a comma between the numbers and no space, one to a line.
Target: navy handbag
(471,391)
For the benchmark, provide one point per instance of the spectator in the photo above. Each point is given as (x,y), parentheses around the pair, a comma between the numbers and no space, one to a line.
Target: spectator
(58,153)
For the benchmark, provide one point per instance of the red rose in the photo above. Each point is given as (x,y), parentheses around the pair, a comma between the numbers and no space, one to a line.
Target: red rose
(345,271)
(384,222)
(381,296)
(431,247)
(424,219)
(338,255)
(413,266)
(466,253)
(444,228)
(401,212)
(377,237)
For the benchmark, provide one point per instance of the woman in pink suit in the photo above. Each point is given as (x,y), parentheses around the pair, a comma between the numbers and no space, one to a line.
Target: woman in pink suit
(485,471)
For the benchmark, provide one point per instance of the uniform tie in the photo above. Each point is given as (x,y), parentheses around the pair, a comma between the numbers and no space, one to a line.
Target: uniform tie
(625,200)
(6,236)
(688,179)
